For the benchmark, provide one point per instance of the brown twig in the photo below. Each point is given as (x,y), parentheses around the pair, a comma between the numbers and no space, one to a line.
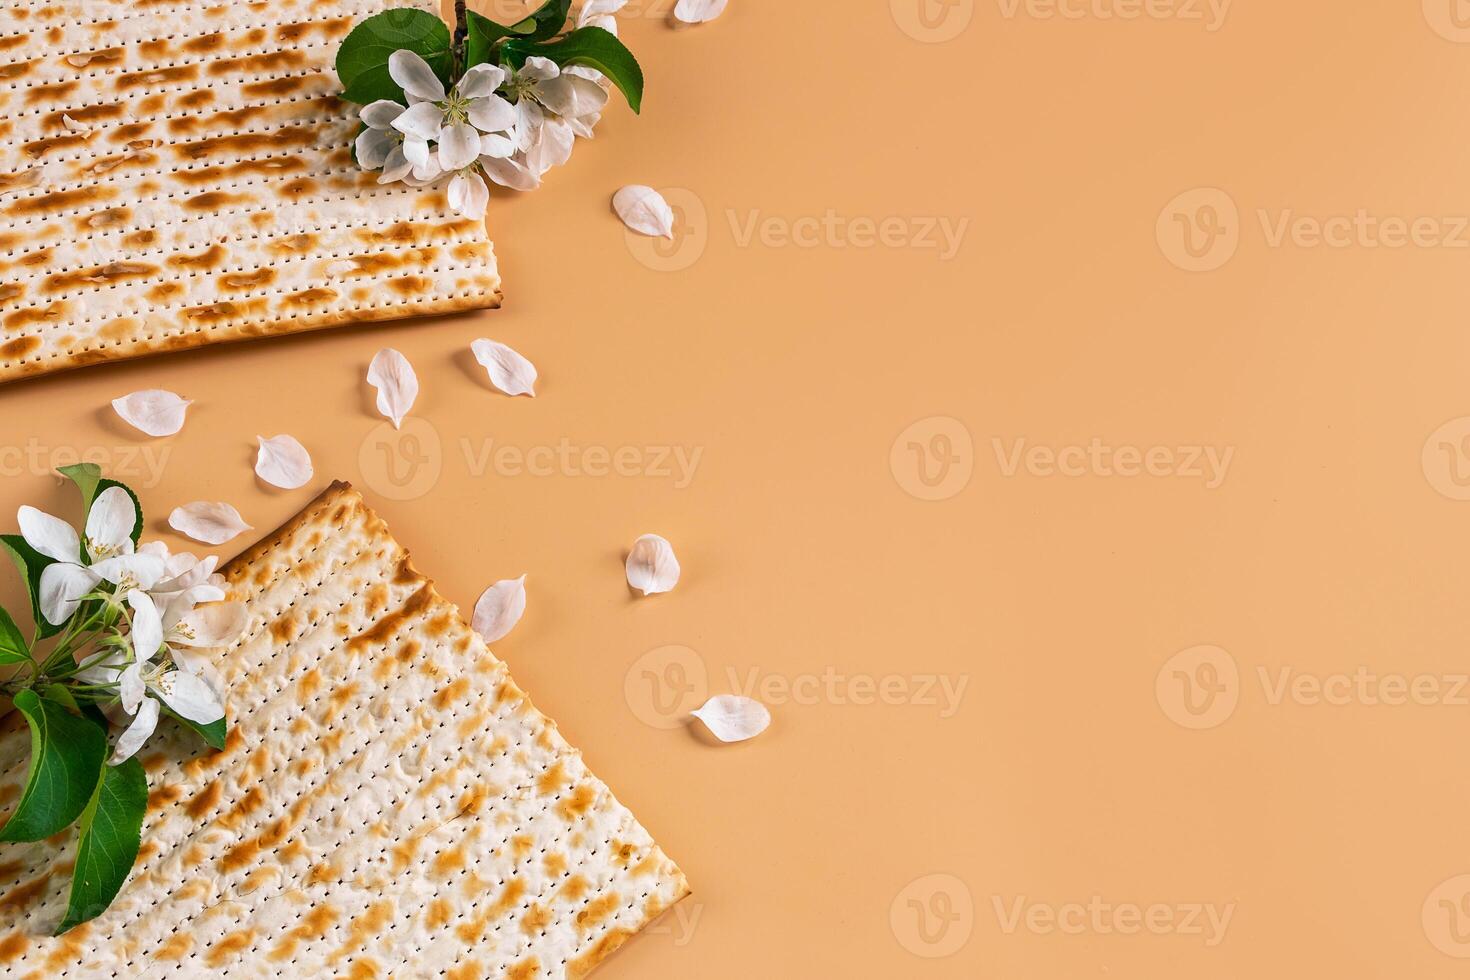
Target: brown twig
(461,33)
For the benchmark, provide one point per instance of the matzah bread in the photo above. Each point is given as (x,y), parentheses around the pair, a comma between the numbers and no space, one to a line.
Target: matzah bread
(179,172)
(389,803)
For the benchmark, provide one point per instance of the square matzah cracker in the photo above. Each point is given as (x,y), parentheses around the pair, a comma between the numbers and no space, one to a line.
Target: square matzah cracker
(179,172)
(389,803)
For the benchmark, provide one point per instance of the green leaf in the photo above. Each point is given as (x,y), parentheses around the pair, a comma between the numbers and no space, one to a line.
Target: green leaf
(546,22)
(362,61)
(111,833)
(213,733)
(480,40)
(31,563)
(595,48)
(89,479)
(13,646)
(67,754)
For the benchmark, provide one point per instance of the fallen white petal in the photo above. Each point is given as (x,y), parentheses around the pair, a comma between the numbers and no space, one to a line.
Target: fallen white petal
(699,11)
(155,412)
(651,565)
(500,608)
(644,210)
(211,523)
(398,386)
(733,718)
(72,125)
(508,370)
(283,462)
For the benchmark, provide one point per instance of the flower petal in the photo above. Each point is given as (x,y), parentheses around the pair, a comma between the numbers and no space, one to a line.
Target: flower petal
(380,114)
(554,149)
(110,523)
(496,147)
(141,571)
(142,726)
(397,165)
(209,522)
(147,627)
(572,96)
(190,697)
(283,462)
(51,536)
(492,114)
(480,81)
(508,172)
(644,210)
(214,624)
(539,69)
(530,117)
(415,77)
(500,608)
(423,120)
(62,587)
(398,386)
(733,718)
(130,687)
(459,145)
(651,566)
(157,413)
(508,370)
(468,195)
(699,11)
(373,148)
(185,572)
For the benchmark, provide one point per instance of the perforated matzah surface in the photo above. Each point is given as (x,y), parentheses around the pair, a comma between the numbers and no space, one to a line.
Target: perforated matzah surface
(389,803)
(179,172)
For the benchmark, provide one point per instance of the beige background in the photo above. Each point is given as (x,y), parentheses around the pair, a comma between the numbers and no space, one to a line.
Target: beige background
(1236,689)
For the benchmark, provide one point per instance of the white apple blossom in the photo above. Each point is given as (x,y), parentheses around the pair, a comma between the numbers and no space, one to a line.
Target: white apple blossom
(105,553)
(552,108)
(465,123)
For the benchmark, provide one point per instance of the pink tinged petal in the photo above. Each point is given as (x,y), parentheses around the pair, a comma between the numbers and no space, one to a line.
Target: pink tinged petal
(374,148)
(147,626)
(554,149)
(155,413)
(699,11)
(480,81)
(190,697)
(51,536)
(130,687)
(130,741)
(423,120)
(283,462)
(415,77)
(645,211)
(734,718)
(143,571)
(110,523)
(651,566)
(500,608)
(459,145)
(62,588)
(210,522)
(492,114)
(394,377)
(510,173)
(215,624)
(380,114)
(397,166)
(508,370)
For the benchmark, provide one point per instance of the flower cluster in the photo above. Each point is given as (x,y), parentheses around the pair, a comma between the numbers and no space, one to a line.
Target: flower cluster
(507,119)
(123,634)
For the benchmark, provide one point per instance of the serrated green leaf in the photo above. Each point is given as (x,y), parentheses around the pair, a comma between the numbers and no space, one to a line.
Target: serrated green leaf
(214,733)
(595,48)
(13,646)
(30,563)
(111,833)
(362,61)
(90,481)
(67,754)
